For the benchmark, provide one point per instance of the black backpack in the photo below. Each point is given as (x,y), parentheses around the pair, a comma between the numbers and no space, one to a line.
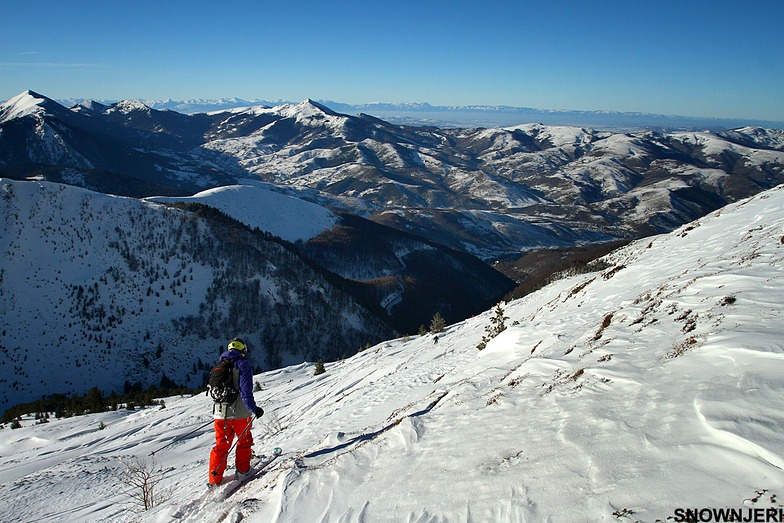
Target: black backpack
(221,385)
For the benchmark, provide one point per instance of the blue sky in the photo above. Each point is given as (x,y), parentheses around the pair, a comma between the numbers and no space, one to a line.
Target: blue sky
(717,58)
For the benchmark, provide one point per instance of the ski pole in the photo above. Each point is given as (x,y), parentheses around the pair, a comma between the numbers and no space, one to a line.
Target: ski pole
(178,438)
(226,457)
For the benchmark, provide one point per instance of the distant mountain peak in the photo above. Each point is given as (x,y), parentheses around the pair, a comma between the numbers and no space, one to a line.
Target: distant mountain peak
(306,109)
(89,106)
(309,102)
(129,106)
(23,104)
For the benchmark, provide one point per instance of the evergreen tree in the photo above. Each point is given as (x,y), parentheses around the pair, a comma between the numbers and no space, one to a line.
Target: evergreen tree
(437,324)
(94,400)
(496,327)
(319,369)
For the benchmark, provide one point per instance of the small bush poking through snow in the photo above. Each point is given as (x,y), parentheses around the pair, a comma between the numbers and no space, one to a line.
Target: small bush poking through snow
(728,300)
(678,349)
(271,424)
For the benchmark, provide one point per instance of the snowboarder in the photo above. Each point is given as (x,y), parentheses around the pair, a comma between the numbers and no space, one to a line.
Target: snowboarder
(234,419)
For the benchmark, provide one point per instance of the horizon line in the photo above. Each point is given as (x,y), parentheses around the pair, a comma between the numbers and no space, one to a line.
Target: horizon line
(411,106)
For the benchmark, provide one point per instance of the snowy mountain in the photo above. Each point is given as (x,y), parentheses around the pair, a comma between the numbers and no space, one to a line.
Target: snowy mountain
(135,291)
(124,149)
(190,106)
(423,113)
(406,278)
(636,393)
(495,192)
(409,278)
(256,206)
(151,290)
(490,192)
(202,105)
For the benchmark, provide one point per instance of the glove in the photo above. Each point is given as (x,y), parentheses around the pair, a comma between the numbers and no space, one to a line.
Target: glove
(259,412)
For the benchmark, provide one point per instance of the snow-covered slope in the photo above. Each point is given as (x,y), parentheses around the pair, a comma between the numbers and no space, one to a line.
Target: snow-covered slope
(137,290)
(44,143)
(284,216)
(21,105)
(629,394)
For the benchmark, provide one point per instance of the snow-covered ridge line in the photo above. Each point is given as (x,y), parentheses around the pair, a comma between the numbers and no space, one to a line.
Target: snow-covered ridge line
(284,216)
(21,105)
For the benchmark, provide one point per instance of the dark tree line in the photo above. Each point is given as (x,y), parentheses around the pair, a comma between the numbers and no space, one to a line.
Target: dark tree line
(94,401)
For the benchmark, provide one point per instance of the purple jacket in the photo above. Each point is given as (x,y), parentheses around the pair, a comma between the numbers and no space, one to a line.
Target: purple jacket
(244,406)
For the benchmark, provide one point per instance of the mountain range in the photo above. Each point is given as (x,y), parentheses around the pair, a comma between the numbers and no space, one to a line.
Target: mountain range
(399,220)
(423,113)
(489,192)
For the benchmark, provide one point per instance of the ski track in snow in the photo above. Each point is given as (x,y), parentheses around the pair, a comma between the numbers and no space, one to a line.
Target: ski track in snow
(652,385)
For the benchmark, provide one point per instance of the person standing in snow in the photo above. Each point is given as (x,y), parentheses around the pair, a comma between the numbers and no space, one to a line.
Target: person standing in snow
(234,419)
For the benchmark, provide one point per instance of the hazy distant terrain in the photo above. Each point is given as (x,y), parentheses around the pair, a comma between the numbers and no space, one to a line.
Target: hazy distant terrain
(477,115)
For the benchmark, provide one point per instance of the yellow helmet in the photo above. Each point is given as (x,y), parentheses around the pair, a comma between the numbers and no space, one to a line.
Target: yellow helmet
(238,345)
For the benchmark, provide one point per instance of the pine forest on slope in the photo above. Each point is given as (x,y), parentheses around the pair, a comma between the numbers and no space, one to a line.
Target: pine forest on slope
(129,290)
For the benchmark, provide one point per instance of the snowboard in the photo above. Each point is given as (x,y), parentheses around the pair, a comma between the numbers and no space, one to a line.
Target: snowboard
(259,468)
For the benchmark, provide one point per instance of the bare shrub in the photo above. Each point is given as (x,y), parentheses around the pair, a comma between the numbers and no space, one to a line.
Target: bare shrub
(579,288)
(679,349)
(612,272)
(141,477)
(271,425)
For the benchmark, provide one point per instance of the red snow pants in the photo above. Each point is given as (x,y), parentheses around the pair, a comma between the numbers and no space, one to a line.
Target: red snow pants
(225,430)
